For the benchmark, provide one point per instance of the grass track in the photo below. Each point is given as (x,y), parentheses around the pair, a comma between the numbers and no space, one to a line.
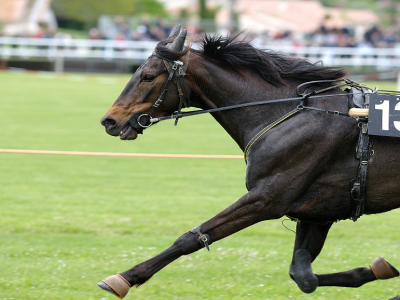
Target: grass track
(68,222)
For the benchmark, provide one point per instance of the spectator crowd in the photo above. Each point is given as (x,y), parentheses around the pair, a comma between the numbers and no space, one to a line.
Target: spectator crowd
(155,30)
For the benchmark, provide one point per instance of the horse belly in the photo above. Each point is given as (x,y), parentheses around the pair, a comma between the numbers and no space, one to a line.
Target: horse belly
(328,197)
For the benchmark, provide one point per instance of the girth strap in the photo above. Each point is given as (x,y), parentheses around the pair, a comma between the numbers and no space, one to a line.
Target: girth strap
(359,184)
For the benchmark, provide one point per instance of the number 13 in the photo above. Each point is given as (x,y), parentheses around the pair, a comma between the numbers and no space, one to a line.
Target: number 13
(385,114)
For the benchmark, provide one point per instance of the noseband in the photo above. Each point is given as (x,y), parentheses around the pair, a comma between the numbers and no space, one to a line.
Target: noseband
(139,120)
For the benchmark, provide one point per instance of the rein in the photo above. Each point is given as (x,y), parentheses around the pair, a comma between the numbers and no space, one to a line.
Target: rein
(212,110)
(140,121)
(302,97)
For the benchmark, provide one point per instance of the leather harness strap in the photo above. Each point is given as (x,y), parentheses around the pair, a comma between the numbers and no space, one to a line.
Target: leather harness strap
(359,184)
(178,72)
(263,131)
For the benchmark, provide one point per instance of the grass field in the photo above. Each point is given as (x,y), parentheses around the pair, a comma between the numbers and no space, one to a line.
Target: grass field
(67,222)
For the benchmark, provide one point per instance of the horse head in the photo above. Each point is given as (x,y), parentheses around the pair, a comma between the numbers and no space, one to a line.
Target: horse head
(142,96)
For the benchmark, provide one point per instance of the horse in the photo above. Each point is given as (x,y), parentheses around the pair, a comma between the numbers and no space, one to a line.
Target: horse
(300,167)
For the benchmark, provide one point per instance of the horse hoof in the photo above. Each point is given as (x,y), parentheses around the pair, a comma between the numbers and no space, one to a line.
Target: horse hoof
(302,273)
(382,269)
(115,285)
(105,287)
(396,298)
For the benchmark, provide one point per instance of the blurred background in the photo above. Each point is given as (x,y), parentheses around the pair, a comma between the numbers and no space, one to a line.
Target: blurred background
(117,36)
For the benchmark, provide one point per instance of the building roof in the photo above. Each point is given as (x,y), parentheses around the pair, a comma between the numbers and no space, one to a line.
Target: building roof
(11,10)
(345,17)
(279,15)
(297,16)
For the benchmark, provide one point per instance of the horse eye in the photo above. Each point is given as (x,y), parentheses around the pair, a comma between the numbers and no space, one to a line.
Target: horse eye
(148,78)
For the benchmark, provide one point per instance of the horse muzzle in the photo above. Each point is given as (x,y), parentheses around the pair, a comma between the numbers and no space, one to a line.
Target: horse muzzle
(136,124)
(128,130)
(124,130)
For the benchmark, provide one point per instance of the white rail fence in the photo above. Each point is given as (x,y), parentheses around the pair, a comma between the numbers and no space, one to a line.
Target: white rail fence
(58,50)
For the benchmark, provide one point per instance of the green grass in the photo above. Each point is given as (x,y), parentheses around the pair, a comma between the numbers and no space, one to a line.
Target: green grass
(67,222)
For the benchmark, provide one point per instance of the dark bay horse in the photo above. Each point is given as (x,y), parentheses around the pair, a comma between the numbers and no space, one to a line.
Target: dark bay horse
(300,168)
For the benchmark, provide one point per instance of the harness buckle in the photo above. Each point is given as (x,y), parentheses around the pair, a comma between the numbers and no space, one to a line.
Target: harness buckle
(204,239)
(177,63)
(158,102)
(181,72)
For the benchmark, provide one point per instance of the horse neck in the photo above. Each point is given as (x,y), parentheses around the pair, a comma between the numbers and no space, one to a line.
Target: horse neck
(217,86)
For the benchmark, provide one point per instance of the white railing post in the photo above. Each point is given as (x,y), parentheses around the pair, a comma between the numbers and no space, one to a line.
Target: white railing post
(59,63)
(60,49)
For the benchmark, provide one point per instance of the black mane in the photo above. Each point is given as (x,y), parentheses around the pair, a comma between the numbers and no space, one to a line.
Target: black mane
(275,68)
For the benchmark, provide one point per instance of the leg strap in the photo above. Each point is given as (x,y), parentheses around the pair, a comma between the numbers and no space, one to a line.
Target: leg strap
(204,239)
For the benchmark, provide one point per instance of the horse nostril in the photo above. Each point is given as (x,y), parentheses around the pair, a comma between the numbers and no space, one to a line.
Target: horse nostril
(108,122)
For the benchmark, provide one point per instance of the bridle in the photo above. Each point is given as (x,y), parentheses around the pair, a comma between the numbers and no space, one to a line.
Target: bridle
(139,120)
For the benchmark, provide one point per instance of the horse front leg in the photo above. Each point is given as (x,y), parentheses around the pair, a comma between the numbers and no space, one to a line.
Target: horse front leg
(247,211)
(310,238)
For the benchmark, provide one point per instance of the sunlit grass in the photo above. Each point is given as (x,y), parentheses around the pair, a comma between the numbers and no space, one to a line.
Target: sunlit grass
(68,222)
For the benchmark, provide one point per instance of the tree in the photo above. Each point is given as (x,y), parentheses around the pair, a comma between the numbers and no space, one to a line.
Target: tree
(388,11)
(88,11)
(205,12)
(350,3)
(207,16)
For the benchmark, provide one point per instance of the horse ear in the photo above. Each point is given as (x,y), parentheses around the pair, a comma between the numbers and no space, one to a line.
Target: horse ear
(179,42)
(174,33)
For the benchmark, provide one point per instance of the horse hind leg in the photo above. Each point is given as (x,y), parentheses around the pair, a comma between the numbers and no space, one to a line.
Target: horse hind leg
(380,269)
(309,242)
(301,271)
(310,238)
